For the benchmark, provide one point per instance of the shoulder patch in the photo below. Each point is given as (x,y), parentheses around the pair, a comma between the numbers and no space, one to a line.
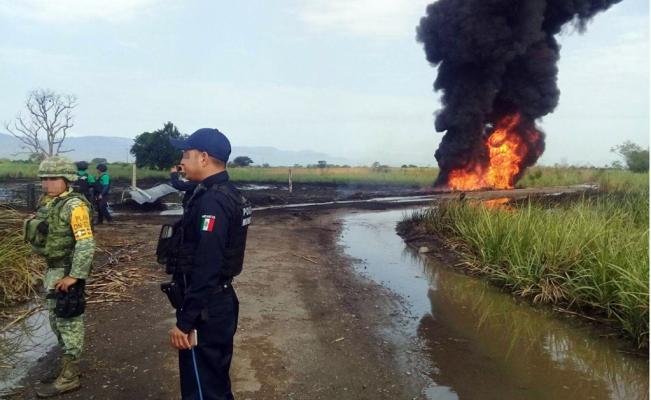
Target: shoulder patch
(207,223)
(80,222)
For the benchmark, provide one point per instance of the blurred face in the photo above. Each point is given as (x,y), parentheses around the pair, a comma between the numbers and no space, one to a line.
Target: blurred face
(53,186)
(194,163)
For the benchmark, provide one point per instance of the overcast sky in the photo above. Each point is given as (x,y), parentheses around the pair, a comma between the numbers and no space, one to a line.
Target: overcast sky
(345,77)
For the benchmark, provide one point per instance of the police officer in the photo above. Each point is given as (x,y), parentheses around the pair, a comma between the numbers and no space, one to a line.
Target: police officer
(61,232)
(214,227)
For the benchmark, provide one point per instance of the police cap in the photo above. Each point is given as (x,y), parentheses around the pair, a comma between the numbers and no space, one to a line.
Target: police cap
(212,141)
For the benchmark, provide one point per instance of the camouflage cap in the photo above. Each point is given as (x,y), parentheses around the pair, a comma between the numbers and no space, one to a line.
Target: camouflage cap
(57,167)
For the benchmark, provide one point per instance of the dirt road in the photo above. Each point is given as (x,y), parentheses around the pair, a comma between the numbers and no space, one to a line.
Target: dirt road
(309,326)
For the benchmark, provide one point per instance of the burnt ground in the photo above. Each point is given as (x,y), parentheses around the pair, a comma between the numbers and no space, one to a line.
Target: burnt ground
(318,193)
(308,324)
(272,194)
(262,194)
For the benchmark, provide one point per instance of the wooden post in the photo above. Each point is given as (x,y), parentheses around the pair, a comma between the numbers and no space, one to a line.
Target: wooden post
(290,181)
(31,196)
(133,175)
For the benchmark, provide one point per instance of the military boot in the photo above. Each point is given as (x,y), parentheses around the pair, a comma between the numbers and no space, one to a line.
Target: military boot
(67,380)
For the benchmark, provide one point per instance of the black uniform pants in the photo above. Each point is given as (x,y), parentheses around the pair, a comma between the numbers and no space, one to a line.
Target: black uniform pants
(102,211)
(214,351)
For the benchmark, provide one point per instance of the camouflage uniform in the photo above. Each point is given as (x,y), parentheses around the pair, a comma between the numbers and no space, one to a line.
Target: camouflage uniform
(71,258)
(68,248)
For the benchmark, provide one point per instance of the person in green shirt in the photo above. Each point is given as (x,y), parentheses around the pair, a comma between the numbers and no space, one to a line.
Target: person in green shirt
(85,182)
(102,188)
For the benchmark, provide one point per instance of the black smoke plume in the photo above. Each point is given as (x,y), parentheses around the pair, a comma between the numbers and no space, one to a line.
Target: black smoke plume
(495,57)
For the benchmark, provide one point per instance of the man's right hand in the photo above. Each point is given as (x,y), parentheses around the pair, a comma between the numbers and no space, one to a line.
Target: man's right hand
(179,339)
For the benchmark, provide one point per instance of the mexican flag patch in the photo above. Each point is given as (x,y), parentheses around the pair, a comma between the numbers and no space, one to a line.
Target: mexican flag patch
(207,223)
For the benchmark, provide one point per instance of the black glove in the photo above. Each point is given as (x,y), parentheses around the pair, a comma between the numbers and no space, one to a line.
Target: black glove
(72,303)
(43,227)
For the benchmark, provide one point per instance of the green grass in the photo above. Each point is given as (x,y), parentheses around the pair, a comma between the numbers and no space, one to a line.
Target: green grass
(19,270)
(590,255)
(339,175)
(13,170)
(424,177)
(607,179)
(10,170)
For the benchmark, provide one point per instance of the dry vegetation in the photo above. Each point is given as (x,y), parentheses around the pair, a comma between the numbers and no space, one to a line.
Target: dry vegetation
(19,269)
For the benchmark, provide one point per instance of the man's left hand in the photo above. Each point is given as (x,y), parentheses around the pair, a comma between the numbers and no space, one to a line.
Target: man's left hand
(179,339)
(64,283)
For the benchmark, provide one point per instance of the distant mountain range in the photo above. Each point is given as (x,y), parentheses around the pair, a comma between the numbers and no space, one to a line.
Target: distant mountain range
(116,149)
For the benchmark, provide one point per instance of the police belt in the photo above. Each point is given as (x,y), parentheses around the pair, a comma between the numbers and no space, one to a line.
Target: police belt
(176,295)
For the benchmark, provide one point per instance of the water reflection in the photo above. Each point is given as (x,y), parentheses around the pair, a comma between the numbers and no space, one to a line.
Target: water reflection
(6,195)
(483,344)
(21,346)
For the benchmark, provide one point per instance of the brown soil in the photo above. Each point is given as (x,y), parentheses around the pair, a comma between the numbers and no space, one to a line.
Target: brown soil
(309,326)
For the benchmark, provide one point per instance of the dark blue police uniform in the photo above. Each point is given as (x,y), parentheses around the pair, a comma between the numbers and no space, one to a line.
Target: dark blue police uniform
(210,304)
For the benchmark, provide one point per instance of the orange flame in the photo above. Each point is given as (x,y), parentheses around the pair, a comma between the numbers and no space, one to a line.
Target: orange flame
(506,150)
(500,203)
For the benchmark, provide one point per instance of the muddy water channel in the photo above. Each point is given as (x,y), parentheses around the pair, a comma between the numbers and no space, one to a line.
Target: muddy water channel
(479,343)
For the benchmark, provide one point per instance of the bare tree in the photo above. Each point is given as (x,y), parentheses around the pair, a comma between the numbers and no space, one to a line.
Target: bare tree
(48,116)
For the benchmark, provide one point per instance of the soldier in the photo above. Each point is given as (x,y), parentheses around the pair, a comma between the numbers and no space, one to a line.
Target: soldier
(61,232)
(204,251)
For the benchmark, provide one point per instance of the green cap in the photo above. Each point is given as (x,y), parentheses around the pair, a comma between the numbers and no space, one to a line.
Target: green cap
(57,167)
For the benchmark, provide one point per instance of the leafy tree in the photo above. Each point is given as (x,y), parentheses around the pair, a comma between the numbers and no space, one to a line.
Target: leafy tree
(377,167)
(636,158)
(153,149)
(98,160)
(616,165)
(242,161)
